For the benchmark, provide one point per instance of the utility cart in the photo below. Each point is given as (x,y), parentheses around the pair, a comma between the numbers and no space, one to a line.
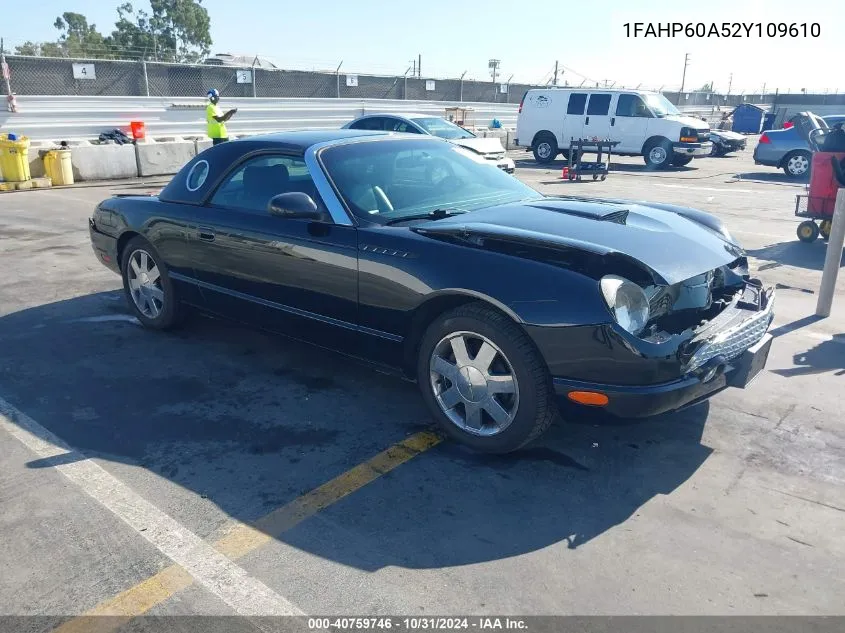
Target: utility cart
(575,164)
(816,206)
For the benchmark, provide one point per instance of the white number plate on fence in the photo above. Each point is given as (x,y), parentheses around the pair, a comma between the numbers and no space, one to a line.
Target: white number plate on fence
(351,80)
(84,71)
(243,76)
(429,85)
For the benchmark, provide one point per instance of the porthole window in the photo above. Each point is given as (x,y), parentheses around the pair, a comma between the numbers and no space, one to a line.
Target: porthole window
(197,175)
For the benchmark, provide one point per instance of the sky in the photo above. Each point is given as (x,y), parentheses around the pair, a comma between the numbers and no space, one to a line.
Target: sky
(588,39)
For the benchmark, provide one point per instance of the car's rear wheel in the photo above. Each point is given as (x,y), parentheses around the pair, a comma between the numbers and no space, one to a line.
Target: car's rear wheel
(797,164)
(148,287)
(658,154)
(545,148)
(484,381)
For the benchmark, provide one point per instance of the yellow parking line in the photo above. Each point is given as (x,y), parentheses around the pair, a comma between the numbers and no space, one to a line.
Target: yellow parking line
(242,538)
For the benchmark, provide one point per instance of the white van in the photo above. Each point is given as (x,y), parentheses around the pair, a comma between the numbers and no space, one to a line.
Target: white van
(644,123)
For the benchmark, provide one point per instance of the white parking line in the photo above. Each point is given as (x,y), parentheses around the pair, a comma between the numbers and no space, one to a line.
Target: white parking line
(231,583)
(719,189)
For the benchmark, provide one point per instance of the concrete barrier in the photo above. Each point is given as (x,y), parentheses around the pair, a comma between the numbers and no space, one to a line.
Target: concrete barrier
(201,144)
(163,156)
(102,162)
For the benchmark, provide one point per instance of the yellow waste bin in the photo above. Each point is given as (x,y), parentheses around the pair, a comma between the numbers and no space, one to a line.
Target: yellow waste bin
(57,166)
(14,161)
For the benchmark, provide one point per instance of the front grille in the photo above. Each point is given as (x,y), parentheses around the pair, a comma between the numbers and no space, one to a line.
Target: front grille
(734,341)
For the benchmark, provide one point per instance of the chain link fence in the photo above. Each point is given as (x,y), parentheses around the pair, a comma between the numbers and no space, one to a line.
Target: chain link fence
(46,76)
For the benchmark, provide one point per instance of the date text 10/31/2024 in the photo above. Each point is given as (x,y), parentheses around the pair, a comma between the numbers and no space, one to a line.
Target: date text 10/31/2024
(723,29)
(418,623)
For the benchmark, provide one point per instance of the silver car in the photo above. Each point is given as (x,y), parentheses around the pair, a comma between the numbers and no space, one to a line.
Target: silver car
(788,149)
(489,148)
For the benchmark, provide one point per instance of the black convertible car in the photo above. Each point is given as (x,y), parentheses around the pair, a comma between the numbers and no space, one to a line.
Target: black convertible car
(415,253)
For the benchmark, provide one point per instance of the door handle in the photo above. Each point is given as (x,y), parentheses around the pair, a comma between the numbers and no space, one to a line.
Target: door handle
(588,121)
(613,120)
(206,234)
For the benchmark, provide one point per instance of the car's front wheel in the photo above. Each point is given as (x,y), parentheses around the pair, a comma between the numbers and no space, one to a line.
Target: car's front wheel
(797,164)
(484,380)
(658,154)
(148,287)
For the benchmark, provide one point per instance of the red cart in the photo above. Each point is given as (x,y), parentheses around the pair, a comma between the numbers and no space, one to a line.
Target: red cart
(816,206)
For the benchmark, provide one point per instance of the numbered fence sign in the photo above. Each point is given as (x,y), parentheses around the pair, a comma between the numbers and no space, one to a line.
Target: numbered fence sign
(84,71)
(352,81)
(429,85)
(243,76)
(503,88)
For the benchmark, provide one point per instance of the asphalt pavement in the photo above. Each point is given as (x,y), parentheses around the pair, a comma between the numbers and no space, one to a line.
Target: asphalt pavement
(218,470)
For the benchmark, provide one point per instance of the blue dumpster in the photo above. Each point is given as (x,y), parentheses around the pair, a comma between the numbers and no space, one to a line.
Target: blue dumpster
(748,119)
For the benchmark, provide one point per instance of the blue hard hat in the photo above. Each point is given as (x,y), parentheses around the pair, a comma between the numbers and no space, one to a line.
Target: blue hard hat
(213,93)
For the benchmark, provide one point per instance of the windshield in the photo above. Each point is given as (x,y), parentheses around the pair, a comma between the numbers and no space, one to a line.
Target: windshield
(443,128)
(386,180)
(660,105)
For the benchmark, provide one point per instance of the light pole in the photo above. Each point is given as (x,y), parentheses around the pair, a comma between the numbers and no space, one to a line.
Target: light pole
(684,76)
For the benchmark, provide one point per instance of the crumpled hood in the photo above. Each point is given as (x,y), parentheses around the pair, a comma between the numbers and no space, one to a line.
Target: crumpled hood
(673,247)
(689,121)
(728,135)
(481,145)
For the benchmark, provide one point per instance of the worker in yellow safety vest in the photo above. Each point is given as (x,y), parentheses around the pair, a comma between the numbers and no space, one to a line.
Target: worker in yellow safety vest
(216,118)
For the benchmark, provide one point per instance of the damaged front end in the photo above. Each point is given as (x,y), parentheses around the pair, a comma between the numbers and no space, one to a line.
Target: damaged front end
(711,319)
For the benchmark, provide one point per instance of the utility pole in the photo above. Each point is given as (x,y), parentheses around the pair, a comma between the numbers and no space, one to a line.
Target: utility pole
(684,76)
(555,82)
(730,82)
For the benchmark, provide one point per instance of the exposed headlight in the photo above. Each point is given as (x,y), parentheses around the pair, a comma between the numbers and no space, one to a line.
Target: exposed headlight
(627,302)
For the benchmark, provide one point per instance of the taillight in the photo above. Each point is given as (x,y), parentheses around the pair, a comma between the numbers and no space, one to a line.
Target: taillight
(788,125)
(765,139)
(521,101)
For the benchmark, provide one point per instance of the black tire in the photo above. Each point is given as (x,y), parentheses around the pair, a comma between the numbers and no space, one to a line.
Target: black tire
(681,161)
(535,408)
(545,148)
(658,160)
(797,164)
(170,312)
(824,229)
(807,231)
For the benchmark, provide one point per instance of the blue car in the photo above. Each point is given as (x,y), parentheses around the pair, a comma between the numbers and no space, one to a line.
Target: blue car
(788,149)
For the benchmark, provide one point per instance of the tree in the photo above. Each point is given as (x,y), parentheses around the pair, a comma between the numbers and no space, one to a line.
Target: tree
(708,87)
(175,31)
(79,39)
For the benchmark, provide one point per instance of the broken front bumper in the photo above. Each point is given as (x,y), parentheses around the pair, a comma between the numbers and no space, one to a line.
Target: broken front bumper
(729,351)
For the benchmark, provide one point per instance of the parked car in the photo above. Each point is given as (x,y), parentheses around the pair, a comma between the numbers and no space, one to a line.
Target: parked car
(725,142)
(645,124)
(412,252)
(489,148)
(788,148)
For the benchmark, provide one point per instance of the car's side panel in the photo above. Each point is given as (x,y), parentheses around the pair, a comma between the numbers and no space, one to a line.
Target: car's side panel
(164,225)
(401,270)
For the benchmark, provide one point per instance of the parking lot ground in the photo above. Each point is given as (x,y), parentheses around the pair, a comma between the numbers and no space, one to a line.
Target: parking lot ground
(158,472)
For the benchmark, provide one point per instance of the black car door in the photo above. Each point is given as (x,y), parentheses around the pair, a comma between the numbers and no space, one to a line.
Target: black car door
(295,276)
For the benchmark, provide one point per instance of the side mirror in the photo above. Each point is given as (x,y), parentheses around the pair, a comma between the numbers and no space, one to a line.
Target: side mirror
(296,205)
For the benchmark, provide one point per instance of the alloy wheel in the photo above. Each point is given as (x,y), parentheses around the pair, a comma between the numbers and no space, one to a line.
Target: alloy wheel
(473,383)
(657,155)
(145,284)
(544,149)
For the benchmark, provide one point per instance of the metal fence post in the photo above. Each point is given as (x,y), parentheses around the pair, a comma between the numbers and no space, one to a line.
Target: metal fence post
(337,77)
(833,257)
(254,93)
(146,78)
